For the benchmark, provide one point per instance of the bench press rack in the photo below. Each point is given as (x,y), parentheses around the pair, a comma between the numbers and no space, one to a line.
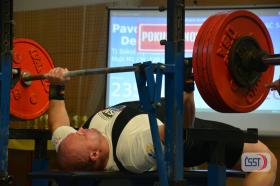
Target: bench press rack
(170,174)
(149,89)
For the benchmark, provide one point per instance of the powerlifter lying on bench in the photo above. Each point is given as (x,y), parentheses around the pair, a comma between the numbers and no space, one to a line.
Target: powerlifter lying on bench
(91,147)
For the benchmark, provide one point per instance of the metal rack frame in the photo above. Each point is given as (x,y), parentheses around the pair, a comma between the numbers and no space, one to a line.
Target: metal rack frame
(6,45)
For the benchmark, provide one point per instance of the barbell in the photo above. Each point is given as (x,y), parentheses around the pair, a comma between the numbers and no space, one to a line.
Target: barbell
(232,61)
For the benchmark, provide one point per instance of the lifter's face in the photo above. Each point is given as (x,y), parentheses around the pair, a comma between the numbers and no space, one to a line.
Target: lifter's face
(91,145)
(89,137)
(88,134)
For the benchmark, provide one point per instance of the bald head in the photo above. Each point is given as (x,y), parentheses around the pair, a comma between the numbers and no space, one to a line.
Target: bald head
(85,150)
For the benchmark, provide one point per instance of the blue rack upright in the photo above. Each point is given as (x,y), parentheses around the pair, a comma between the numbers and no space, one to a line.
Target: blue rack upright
(5,84)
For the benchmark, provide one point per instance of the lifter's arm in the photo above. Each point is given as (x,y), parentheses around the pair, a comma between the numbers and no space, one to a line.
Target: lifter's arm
(189,109)
(57,114)
(189,114)
(188,97)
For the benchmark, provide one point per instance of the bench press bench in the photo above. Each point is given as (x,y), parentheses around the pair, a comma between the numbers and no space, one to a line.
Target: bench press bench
(40,173)
(192,177)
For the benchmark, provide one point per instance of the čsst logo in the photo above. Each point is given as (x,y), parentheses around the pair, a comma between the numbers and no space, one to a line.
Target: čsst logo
(255,162)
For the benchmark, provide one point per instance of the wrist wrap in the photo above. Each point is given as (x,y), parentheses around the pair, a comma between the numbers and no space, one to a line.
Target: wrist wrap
(56,92)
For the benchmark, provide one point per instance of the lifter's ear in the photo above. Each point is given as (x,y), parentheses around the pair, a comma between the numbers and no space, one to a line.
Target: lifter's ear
(94,155)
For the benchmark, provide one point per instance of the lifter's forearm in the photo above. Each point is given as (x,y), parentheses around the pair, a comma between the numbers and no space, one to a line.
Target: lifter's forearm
(57,114)
(189,109)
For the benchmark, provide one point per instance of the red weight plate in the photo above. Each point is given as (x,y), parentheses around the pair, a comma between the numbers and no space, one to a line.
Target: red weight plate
(30,101)
(235,25)
(197,61)
(208,96)
(216,101)
(219,103)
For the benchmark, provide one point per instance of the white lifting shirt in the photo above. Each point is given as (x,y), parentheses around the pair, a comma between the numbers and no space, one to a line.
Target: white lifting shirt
(135,148)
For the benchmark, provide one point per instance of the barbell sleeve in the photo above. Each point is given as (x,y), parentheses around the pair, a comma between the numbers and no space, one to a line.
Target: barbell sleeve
(271,59)
(27,77)
(83,72)
(15,71)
